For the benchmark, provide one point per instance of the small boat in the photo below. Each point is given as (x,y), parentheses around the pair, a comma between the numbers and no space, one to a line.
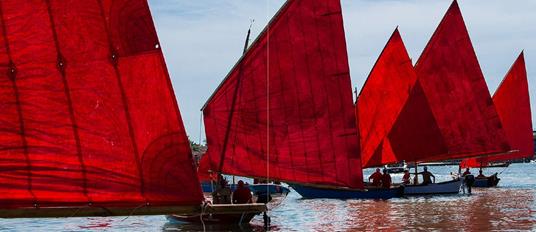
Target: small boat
(447,187)
(487,182)
(296,135)
(313,192)
(411,122)
(221,214)
(396,168)
(90,123)
(512,102)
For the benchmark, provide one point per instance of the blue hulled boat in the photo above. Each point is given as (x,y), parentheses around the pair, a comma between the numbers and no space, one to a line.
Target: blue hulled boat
(311,192)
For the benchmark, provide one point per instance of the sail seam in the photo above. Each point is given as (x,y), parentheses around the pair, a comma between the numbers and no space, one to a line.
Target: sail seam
(12,73)
(114,59)
(61,68)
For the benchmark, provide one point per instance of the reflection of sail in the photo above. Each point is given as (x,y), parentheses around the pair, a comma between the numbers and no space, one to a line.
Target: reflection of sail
(291,88)
(513,105)
(89,117)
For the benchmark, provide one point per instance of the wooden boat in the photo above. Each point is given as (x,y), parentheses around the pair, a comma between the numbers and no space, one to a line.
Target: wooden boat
(411,114)
(447,187)
(513,105)
(490,181)
(220,214)
(90,122)
(290,124)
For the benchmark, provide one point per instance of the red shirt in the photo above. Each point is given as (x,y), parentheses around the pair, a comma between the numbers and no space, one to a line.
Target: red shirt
(386,180)
(466,173)
(376,178)
(405,178)
(242,195)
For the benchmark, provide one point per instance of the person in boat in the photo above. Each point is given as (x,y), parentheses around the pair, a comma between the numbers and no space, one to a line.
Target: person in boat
(427,176)
(222,195)
(386,179)
(406,179)
(467,172)
(480,175)
(242,194)
(376,178)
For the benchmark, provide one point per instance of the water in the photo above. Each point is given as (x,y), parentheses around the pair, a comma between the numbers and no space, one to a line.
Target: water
(511,206)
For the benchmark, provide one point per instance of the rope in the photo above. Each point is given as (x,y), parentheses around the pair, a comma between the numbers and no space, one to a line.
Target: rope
(203,208)
(134,210)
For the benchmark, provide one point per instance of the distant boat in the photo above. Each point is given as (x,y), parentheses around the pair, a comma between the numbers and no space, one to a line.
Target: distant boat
(412,114)
(513,104)
(285,110)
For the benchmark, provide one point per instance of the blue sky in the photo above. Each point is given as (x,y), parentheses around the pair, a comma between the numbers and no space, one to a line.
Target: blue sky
(203,39)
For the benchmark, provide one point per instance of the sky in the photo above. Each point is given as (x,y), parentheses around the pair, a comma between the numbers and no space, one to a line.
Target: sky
(203,39)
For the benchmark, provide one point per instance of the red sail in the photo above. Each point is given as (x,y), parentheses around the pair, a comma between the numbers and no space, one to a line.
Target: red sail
(89,116)
(450,113)
(513,105)
(381,100)
(285,111)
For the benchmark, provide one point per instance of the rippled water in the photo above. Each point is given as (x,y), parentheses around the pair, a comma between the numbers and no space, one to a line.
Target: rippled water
(511,206)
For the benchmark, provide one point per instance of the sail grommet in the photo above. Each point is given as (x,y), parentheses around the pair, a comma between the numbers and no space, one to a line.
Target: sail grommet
(157,46)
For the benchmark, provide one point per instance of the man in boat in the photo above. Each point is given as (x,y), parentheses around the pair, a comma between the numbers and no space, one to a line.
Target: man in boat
(242,194)
(222,195)
(376,178)
(386,179)
(480,175)
(406,177)
(467,172)
(427,176)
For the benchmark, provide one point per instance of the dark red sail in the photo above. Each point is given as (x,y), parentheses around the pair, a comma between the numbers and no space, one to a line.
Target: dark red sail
(450,113)
(513,105)
(285,111)
(89,116)
(381,100)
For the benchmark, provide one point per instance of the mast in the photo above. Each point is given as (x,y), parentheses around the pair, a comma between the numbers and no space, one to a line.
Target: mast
(233,105)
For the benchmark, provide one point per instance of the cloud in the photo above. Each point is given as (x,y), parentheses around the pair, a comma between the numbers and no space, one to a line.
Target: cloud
(202,40)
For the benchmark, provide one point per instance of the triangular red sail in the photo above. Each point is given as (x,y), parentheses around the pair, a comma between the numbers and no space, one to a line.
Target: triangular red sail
(454,89)
(89,117)
(285,111)
(382,98)
(513,105)
(206,170)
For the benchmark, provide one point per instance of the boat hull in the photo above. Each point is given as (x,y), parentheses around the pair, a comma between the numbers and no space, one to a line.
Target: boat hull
(486,182)
(221,214)
(311,192)
(448,187)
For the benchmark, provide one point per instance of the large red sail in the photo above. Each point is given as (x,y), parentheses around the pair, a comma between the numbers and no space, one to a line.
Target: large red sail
(88,116)
(513,105)
(381,100)
(449,113)
(285,111)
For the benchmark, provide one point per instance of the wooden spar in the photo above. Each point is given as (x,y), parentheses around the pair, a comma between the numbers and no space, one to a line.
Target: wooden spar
(89,211)
(233,105)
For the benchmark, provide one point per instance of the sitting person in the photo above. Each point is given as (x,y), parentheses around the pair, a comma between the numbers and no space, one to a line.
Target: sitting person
(242,194)
(426,176)
(222,195)
(406,177)
(386,179)
(376,178)
(480,175)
